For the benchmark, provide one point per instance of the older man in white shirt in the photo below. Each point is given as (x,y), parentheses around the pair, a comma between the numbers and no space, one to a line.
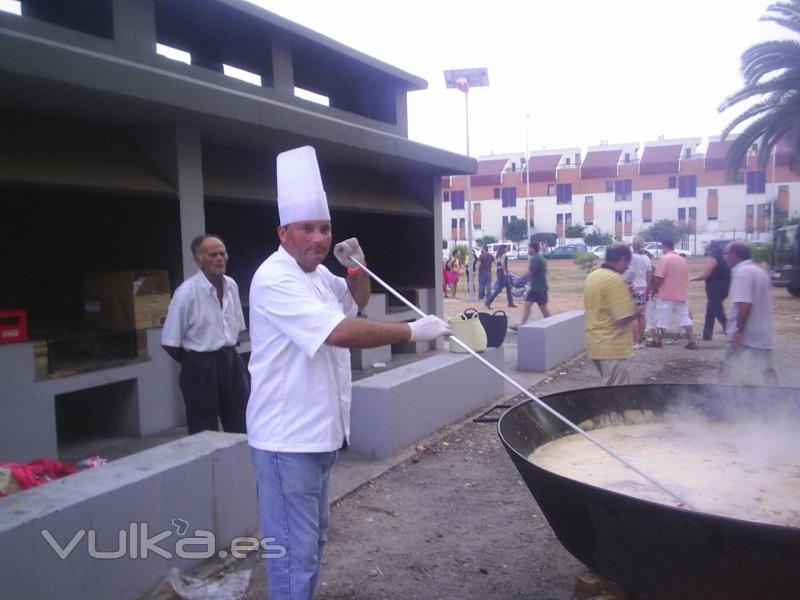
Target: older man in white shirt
(749,327)
(302,322)
(201,332)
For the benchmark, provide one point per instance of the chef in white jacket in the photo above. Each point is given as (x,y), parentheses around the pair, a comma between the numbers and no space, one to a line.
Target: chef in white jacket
(302,322)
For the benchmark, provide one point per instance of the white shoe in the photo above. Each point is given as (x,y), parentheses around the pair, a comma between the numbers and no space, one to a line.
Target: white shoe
(638,346)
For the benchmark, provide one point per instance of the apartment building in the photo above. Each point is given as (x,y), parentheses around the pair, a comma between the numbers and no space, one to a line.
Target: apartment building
(624,188)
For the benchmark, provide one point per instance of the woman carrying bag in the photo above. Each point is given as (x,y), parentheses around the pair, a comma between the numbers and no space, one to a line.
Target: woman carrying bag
(501,268)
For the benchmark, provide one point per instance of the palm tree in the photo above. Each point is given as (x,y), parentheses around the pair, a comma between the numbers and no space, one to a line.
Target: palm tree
(771,72)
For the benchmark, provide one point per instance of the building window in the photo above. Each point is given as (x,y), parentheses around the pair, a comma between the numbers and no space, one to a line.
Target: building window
(622,190)
(453,223)
(692,219)
(509,196)
(712,205)
(783,189)
(756,182)
(687,186)
(568,219)
(457,200)
(627,158)
(476,215)
(647,196)
(563,193)
(496,193)
(549,189)
(569,160)
(446,196)
(671,183)
(588,200)
(560,219)
(609,185)
(589,221)
(687,153)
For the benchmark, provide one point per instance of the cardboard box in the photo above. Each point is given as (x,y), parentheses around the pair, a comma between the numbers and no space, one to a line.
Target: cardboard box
(126,299)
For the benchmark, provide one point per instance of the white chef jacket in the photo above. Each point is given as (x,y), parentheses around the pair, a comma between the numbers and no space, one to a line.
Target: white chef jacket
(195,321)
(750,284)
(300,386)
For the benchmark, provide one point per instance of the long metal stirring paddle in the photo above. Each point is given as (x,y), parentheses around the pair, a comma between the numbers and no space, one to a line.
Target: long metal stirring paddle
(508,379)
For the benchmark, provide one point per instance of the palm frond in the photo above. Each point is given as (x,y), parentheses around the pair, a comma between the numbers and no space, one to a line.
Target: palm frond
(785,14)
(767,57)
(783,87)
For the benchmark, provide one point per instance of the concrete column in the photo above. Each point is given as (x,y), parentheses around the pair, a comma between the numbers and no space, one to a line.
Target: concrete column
(135,28)
(438,289)
(177,153)
(188,151)
(282,66)
(401,111)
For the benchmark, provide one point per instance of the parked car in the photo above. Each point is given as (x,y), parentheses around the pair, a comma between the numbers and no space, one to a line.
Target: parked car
(522,254)
(599,252)
(654,248)
(567,252)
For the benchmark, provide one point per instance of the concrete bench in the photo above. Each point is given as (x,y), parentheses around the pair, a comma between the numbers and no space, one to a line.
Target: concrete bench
(396,408)
(204,481)
(543,344)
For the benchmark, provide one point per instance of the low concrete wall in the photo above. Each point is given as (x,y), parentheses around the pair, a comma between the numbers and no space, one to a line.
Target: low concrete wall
(394,409)
(543,344)
(28,418)
(201,482)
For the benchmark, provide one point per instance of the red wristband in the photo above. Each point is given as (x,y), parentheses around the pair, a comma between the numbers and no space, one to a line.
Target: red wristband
(356,271)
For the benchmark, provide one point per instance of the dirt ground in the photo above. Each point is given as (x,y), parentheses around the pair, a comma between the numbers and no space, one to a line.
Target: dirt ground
(456,520)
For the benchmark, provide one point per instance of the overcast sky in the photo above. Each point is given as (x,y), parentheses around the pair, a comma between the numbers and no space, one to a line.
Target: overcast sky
(584,70)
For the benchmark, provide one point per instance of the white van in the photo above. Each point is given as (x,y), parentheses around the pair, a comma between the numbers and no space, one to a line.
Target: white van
(513,248)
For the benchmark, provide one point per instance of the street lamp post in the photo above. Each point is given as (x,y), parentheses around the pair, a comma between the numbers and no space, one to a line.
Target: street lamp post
(527,178)
(463,80)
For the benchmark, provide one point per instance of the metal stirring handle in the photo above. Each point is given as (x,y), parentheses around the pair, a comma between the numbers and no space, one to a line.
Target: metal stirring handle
(527,393)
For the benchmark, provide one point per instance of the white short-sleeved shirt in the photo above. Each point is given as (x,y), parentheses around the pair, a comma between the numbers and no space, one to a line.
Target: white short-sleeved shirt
(196,321)
(300,386)
(750,284)
(640,265)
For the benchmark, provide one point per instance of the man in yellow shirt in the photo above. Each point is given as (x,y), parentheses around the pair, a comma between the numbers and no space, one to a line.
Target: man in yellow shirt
(609,312)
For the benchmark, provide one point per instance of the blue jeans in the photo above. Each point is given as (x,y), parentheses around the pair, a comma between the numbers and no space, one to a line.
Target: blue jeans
(484,285)
(293,502)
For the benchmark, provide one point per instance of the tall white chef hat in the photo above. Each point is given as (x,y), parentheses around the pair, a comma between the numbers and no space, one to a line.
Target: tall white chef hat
(300,193)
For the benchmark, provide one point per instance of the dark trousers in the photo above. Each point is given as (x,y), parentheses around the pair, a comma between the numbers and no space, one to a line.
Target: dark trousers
(215,384)
(502,282)
(714,312)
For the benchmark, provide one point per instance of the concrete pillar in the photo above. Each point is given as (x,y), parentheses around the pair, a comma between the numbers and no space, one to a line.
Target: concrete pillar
(282,66)
(135,28)
(401,111)
(177,153)
(188,148)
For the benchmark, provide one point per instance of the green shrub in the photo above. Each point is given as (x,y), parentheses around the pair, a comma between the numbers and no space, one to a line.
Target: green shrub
(761,253)
(585,260)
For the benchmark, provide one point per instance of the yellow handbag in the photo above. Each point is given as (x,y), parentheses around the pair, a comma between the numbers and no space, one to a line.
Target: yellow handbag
(467,328)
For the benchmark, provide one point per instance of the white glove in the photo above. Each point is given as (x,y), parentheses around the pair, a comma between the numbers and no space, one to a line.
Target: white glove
(344,250)
(427,328)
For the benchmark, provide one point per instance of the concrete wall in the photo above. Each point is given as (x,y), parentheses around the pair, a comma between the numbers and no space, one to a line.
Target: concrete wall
(394,409)
(204,481)
(29,405)
(543,344)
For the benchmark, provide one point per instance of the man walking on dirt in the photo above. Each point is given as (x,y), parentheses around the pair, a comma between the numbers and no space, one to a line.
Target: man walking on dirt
(671,284)
(302,322)
(537,282)
(609,312)
(749,326)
